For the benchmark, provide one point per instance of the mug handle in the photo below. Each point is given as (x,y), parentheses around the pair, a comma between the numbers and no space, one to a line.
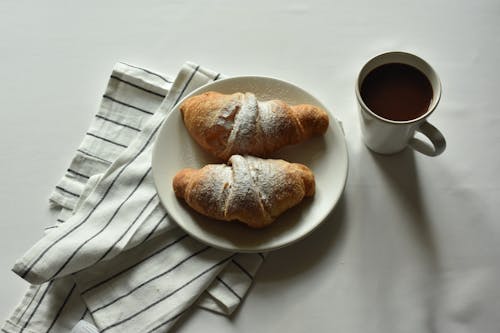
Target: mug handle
(434,136)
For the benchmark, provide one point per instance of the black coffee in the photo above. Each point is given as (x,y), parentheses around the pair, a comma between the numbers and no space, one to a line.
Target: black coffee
(397,91)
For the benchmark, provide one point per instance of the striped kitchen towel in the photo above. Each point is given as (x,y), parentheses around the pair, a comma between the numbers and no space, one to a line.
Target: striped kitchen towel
(114,258)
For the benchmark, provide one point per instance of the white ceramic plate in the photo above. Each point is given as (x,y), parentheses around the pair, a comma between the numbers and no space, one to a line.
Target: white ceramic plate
(327,157)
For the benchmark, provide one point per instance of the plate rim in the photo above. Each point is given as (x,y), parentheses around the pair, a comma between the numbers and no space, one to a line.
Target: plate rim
(336,122)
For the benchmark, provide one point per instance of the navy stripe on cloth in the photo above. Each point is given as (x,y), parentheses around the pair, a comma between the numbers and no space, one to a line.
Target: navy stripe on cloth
(105,139)
(92,155)
(134,265)
(68,191)
(127,105)
(136,86)
(151,279)
(117,122)
(229,288)
(37,305)
(166,296)
(103,228)
(61,308)
(187,84)
(127,230)
(242,269)
(155,227)
(149,72)
(29,304)
(78,173)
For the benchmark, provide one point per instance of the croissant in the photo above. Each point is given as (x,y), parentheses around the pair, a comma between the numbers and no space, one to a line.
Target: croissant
(249,189)
(232,124)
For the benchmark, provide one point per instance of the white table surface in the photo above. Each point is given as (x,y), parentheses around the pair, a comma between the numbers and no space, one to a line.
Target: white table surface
(414,246)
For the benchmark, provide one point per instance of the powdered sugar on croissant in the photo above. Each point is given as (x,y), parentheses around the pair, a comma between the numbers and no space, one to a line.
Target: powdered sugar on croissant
(249,189)
(240,124)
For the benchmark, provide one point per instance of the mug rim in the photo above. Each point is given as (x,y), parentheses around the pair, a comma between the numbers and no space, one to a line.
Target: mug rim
(436,95)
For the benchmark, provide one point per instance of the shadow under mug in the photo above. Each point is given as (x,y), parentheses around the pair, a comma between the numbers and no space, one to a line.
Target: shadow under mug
(386,136)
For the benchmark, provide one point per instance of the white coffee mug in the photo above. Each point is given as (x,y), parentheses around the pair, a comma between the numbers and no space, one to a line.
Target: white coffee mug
(388,136)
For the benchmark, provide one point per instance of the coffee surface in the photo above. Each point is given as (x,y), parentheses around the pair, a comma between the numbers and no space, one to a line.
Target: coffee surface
(397,92)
